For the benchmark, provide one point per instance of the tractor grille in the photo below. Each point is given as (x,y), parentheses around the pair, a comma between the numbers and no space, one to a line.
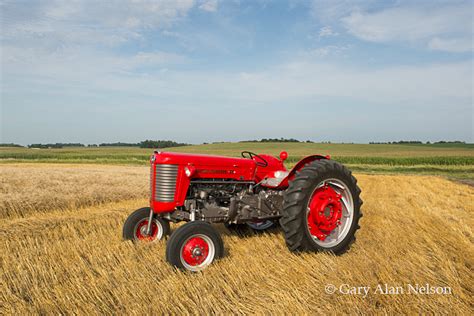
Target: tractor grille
(165,184)
(151,179)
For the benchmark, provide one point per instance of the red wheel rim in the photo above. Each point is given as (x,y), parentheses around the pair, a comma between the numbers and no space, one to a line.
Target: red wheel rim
(325,212)
(195,251)
(140,231)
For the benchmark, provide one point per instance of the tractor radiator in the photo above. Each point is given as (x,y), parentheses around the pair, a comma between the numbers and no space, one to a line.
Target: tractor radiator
(165,184)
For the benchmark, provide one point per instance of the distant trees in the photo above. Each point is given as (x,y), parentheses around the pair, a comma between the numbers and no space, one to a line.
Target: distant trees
(411,142)
(449,142)
(274,140)
(170,143)
(281,140)
(56,145)
(401,142)
(143,144)
(404,142)
(9,145)
(160,144)
(119,144)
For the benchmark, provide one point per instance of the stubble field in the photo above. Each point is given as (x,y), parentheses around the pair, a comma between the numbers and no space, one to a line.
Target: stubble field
(62,252)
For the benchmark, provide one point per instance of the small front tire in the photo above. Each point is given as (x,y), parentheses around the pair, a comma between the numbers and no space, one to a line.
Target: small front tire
(135,226)
(194,246)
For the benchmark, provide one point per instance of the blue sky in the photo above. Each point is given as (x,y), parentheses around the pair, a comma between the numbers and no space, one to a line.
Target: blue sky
(205,70)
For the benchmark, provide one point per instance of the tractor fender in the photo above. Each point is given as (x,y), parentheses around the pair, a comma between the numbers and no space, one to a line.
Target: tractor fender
(303,162)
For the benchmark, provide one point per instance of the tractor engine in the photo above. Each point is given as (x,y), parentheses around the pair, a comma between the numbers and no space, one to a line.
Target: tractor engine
(216,189)
(220,200)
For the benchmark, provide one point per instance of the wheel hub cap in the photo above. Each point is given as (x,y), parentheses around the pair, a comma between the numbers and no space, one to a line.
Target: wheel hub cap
(195,251)
(141,234)
(325,212)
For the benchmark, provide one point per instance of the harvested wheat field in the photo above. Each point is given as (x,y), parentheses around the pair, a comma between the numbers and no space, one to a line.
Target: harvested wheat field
(35,188)
(61,251)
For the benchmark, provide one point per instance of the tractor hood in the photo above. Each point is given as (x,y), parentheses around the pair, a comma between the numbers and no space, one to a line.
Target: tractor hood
(199,159)
(209,166)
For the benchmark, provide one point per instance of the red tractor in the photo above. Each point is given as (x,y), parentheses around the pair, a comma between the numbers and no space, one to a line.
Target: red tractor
(317,203)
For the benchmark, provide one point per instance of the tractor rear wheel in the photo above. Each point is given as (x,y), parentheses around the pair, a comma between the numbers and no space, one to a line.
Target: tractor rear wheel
(136,225)
(321,208)
(194,246)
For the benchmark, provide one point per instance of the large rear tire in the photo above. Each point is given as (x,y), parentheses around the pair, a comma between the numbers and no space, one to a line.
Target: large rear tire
(194,246)
(136,224)
(321,208)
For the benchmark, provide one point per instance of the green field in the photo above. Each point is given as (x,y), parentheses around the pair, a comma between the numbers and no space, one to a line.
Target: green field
(452,160)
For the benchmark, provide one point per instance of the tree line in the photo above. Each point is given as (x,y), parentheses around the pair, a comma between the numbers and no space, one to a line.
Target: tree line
(275,140)
(56,145)
(9,145)
(411,142)
(142,144)
(170,143)
(145,144)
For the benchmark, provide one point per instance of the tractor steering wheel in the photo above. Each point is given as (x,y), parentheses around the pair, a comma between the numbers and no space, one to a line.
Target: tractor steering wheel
(254,157)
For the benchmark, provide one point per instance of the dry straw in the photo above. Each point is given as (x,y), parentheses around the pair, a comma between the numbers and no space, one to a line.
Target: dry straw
(68,256)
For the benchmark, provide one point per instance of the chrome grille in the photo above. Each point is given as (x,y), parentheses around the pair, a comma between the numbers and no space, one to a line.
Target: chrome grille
(151,180)
(165,183)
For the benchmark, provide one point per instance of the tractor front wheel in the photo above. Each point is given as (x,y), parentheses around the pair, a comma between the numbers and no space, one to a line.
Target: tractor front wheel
(136,225)
(321,208)
(194,246)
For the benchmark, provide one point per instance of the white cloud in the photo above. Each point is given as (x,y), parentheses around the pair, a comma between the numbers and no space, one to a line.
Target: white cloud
(329,11)
(454,45)
(410,23)
(325,51)
(402,85)
(209,5)
(376,101)
(428,85)
(153,59)
(326,32)
(77,69)
(111,13)
(57,24)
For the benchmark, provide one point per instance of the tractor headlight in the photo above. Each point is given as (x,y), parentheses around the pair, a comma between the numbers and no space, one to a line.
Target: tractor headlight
(189,170)
(280,174)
